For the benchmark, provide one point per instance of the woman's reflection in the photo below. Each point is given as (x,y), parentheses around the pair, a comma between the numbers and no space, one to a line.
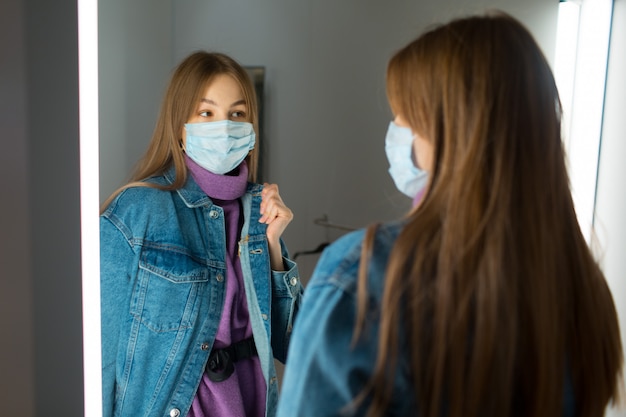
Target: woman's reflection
(198,293)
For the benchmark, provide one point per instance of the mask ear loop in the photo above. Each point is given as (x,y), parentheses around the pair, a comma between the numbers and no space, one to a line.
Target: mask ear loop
(181,145)
(413,153)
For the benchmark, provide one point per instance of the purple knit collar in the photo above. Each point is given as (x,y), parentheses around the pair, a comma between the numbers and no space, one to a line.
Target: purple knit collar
(221,187)
(418,197)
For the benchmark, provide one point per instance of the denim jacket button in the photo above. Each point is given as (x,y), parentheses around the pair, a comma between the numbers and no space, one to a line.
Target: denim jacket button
(293,281)
(174,412)
(213,214)
(264,316)
(204,346)
(219,277)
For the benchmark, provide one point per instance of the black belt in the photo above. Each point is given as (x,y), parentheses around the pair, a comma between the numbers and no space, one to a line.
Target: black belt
(221,363)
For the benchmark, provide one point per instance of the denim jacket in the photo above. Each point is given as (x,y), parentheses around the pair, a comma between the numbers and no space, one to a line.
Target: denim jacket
(325,373)
(163,277)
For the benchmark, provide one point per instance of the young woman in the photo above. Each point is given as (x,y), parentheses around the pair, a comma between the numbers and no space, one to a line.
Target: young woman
(485,299)
(198,294)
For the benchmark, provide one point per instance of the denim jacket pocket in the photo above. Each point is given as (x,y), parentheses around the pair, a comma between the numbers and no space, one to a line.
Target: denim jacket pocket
(167,289)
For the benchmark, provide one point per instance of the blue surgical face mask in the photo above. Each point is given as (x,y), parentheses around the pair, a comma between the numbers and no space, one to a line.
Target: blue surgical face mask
(219,147)
(408,178)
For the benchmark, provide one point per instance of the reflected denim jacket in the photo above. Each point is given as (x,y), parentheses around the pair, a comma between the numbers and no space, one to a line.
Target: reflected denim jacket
(163,276)
(325,373)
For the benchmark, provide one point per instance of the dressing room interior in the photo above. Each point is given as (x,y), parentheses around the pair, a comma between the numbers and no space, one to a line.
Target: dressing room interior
(80,101)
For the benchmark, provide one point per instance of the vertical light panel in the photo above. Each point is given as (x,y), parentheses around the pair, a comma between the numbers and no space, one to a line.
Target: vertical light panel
(587,105)
(89,200)
(565,59)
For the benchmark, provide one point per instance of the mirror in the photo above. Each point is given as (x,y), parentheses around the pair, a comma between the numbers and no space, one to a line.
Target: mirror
(325,111)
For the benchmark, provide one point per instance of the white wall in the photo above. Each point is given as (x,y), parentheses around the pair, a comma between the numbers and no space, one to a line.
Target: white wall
(326,112)
(610,215)
(40,279)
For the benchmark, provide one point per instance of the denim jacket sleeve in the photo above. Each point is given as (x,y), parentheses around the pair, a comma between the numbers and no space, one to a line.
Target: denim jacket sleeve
(326,372)
(286,298)
(116,257)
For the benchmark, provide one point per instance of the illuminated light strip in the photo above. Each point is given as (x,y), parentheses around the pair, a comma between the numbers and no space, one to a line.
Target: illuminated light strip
(565,60)
(89,202)
(583,120)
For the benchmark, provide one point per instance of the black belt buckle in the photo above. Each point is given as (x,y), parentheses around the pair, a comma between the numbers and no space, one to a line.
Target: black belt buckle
(220,365)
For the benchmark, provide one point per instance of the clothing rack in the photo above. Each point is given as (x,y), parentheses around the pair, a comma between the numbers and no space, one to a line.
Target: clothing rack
(317,250)
(324,222)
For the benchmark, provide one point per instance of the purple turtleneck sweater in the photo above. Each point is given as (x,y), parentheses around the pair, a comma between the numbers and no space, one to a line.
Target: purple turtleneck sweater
(243,393)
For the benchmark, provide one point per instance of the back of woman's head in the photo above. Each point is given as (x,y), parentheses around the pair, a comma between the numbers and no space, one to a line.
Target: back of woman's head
(482,91)
(504,298)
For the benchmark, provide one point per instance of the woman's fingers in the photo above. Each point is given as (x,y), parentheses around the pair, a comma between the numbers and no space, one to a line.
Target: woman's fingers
(274,212)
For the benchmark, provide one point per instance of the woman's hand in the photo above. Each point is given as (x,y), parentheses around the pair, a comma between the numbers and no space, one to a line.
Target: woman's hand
(277,216)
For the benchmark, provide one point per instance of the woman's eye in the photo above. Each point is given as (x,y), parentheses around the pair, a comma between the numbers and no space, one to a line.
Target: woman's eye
(240,114)
(206,113)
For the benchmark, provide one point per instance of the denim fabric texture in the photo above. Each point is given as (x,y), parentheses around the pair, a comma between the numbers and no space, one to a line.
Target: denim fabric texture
(325,371)
(163,282)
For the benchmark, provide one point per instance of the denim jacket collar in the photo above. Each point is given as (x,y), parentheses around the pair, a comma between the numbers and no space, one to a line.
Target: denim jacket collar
(190,193)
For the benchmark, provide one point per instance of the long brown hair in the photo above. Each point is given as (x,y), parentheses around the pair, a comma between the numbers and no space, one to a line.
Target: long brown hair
(497,291)
(188,83)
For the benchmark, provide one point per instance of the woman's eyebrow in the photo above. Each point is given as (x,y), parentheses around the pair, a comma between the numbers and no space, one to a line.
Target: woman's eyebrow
(238,103)
(209,101)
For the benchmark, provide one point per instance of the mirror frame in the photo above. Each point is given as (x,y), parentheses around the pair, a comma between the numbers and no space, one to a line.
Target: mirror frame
(89,203)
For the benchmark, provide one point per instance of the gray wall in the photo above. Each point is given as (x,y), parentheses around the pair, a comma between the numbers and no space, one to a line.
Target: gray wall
(326,111)
(16,351)
(134,52)
(40,280)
